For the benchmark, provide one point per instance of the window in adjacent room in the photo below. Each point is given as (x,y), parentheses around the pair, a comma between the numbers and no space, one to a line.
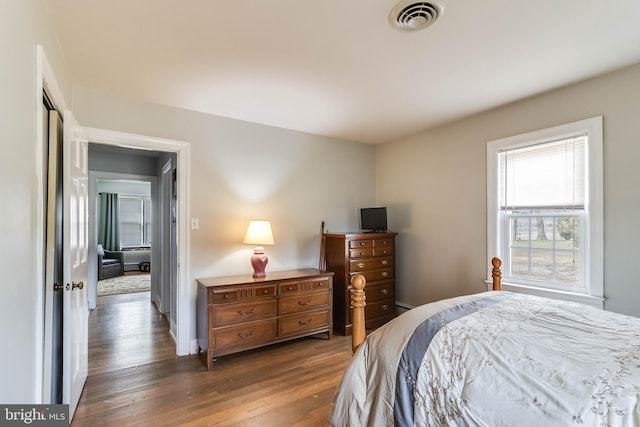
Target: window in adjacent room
(545,208)
(135,221)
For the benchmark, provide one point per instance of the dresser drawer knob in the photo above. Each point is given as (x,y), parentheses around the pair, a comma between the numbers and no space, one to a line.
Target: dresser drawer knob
(384,274)
(304,303)
(301,323)
(385,291)
(266,291)
(245,313)
(385,307)
(361,265)
(385,262)
(241,335)
(289,288)
(361,243)
(361,253)
(226,296)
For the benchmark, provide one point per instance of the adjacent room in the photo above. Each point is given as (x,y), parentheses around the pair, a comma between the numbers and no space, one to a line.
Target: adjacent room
(397,143)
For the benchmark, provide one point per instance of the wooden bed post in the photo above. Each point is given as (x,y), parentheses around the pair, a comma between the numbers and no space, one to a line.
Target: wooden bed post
(496,274)
(358,283)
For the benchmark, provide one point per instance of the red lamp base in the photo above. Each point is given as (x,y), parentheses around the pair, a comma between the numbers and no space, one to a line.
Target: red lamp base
(259,261)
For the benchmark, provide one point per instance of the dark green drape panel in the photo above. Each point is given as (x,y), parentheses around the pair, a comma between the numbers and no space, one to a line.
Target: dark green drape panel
(108,222)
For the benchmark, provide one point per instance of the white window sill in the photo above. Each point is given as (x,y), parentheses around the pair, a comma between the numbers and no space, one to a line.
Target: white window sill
(593,301)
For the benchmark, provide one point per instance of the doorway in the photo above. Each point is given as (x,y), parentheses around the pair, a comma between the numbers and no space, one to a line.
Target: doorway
(181,291)
(122,222)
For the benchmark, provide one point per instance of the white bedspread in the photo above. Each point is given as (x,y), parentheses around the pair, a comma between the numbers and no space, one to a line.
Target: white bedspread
(521,361)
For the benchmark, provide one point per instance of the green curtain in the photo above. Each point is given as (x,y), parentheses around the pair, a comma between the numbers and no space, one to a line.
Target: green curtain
(108,222)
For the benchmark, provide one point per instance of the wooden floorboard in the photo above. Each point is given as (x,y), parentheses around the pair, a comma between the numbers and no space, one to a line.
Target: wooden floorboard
(135,379)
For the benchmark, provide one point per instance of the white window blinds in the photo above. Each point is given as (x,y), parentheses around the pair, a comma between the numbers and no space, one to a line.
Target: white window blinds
(549,175)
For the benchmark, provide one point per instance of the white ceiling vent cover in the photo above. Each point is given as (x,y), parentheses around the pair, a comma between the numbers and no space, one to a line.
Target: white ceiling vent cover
(412,15)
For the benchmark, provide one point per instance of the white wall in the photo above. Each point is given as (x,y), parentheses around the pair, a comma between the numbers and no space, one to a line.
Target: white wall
(23,24)
(242,171)
(435,185)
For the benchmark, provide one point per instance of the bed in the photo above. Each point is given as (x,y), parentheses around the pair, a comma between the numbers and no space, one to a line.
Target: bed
(492,359)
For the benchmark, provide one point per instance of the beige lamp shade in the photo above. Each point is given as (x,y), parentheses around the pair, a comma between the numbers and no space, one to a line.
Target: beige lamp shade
(259,233)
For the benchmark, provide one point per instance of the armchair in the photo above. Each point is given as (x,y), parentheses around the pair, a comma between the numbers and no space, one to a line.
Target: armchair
(110,263)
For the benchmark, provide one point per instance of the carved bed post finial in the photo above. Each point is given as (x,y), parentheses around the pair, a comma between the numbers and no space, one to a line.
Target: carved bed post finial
(358,298)
(496,274)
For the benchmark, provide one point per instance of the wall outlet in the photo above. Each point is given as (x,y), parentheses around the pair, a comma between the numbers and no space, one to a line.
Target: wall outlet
(195,223)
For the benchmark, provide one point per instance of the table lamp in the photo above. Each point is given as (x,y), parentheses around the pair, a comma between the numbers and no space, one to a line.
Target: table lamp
(259,233)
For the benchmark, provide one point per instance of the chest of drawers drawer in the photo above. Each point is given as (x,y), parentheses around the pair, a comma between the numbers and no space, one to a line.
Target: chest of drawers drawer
(301,286)
(231,295)
(239,313)
(303,302)
(303,323)
(382,274)
(379,312)
(360,265)
(245,335)
(361,243)
(383,291)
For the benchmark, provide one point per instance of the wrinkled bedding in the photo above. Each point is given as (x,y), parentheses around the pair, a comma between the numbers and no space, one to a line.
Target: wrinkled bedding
(495,359)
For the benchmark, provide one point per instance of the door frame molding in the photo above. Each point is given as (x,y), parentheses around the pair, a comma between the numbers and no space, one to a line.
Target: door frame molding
(185,309)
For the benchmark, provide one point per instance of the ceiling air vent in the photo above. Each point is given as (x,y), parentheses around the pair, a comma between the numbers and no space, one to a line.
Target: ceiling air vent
(412,15)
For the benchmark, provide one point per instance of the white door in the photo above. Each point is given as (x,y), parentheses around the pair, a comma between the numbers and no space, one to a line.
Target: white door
(75,272)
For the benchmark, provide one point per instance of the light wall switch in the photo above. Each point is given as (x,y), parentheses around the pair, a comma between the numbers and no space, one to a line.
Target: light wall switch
(195,223)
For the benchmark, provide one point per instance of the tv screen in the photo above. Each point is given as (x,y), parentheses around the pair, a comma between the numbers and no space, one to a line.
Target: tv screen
(373,219)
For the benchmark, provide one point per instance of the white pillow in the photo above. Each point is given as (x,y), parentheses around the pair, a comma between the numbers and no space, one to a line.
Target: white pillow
(100,250)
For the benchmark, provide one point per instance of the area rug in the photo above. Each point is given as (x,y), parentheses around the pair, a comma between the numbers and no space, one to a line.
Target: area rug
(124,284)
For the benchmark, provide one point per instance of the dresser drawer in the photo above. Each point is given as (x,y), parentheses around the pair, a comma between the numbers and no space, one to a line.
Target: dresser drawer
(244,335)
(239,313)
(303,323)
(218,296)
(360,244)
(358,265)
(380,292)
(383,251)
(303,302)
(379,308)
(383,243)
(307,285)
(360,253)
(374,275)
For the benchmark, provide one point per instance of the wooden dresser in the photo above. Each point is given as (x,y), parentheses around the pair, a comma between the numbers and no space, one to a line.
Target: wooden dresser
(236,313)
(373,255)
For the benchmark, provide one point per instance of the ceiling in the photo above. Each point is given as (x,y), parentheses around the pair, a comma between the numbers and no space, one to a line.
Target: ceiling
(336,67)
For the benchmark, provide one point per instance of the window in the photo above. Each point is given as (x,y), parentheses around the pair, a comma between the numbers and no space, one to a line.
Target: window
(545,209)
(135,221)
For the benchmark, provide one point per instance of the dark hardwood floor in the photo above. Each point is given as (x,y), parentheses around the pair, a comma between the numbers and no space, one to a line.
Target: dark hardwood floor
(135,378)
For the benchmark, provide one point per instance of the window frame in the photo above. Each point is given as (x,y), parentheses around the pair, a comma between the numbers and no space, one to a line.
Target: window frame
(149,211)
(593,252)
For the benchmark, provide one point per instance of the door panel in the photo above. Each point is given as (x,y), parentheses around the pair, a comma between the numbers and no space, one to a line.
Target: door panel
(75,249)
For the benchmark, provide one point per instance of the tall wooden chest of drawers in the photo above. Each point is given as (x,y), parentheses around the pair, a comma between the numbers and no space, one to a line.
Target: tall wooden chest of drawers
(237,313)
(372,255)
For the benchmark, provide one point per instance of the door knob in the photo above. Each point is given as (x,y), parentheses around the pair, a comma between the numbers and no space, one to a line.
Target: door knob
(57,287)
(78,285)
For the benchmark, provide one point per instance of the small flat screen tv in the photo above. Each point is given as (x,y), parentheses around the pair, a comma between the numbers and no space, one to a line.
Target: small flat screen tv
(373,219)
